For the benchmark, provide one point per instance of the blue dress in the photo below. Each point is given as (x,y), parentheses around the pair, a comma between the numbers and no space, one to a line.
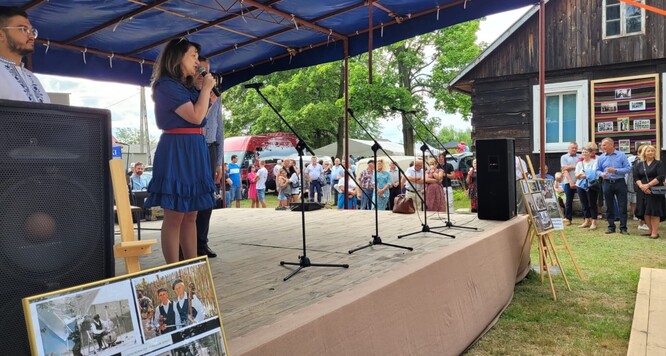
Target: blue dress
(383,178)
(182,177)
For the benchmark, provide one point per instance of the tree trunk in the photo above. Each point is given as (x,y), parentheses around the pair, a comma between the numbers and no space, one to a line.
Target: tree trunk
(407,134)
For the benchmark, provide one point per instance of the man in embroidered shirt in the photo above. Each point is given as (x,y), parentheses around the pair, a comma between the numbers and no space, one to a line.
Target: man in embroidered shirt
(17,39)
(612,166)
(183,305)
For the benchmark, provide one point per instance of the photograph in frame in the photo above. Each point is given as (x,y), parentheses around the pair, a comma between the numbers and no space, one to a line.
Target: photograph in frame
(642,124)
(523,184)
(623,124)
(539,201)
(605,126)
(545,221)
(111,317)
(624,146)
(533,185)
(623,93)
(638,144)
(637,105)
(609,107)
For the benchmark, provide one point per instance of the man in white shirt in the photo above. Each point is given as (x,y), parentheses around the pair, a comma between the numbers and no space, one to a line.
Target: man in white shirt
(262,176)
(166,318)
(414,174)
(187,316)
(17,39)
(314,171)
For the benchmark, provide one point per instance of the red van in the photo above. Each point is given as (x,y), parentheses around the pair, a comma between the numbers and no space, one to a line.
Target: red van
(250,149)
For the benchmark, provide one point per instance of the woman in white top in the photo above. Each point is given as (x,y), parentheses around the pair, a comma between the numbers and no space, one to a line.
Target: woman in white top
(588,195)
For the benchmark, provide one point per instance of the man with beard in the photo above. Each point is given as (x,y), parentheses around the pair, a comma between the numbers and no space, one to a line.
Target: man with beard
(138,180)
(17,39)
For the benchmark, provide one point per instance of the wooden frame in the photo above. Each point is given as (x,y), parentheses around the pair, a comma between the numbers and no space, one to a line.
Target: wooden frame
(629,104)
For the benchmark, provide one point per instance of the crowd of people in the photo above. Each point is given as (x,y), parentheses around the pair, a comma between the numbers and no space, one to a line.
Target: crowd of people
(613,180)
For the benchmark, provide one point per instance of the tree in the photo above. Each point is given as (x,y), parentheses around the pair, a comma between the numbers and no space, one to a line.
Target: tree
(131,135)
(456,48)
(450,133)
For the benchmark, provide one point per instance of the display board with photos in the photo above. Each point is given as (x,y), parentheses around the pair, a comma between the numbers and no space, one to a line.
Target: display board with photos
(627,110)
(145,313)
(541,202)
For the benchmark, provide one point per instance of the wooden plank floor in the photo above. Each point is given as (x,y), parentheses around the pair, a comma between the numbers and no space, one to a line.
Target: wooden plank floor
(251,242)
(648,329)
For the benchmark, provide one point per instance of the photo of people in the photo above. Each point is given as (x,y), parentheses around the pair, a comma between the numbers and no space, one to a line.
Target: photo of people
(534,186)
(97,321)
(624,146)
(606,126)
(608,107)
(539,201)
(547,190)
(534,211)
(624,93)
(538,225)
(175,299)
(523,184)
(623,124)
(642,124)
(210,344)
(545,221)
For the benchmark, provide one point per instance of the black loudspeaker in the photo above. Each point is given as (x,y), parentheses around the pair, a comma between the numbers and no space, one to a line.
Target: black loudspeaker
(309,206)
(496,183)
(56,222)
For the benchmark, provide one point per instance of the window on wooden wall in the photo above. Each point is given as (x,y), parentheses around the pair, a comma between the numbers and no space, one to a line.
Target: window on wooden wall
(566,111)
(621,19)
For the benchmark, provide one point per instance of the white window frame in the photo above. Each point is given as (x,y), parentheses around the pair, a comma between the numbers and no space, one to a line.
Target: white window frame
(623,21)
(578,87)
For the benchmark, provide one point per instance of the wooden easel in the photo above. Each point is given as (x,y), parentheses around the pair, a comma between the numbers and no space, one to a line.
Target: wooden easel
(129,248)
(546,246)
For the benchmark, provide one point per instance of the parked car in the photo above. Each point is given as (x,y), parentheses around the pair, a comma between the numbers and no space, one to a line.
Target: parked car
(461,165)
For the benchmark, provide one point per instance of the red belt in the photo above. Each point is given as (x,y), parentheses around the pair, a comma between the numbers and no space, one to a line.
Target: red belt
(186,131)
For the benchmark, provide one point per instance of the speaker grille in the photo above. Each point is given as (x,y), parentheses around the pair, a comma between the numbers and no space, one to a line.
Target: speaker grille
(56,227)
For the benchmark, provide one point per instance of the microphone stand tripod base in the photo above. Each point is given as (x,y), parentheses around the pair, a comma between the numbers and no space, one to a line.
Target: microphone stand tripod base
(376,240)
(304,261)
(426,228)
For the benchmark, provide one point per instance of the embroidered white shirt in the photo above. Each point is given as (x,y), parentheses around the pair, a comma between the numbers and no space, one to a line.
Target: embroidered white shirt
(20,84)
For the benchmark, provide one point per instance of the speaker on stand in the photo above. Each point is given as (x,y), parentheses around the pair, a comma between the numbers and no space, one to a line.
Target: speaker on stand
(56,206)
(496,183)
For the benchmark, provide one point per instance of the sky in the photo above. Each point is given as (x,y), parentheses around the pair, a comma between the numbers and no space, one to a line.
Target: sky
(123,100)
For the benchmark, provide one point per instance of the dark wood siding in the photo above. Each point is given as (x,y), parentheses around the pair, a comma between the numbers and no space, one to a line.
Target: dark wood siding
(502,109)
(573,40)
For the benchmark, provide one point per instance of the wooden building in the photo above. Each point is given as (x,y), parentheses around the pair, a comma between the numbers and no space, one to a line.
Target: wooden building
(605,65)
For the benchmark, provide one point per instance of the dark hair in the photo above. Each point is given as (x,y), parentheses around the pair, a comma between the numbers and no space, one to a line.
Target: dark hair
(168,62)
(7,12)
(234,156)
(162,290)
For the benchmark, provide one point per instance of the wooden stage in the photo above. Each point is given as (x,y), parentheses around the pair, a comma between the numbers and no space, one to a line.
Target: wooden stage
(251,243)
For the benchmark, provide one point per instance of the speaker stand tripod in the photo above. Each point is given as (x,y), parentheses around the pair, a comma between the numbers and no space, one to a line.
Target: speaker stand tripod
(303,260)
(376,240)
(424,226)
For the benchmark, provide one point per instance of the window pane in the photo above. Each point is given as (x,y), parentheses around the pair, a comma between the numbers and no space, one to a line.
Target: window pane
(633,25)
(611,2)
(612,28)
(632,11)
(613,12)
(552,119)
(569,118)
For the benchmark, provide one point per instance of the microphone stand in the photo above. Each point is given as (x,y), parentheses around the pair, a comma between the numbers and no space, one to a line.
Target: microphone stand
(425,227)
(303,260)
(376,240)
(446,195)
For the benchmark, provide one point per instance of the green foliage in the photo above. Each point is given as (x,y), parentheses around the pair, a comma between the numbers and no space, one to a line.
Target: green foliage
(449,133)
(131,135)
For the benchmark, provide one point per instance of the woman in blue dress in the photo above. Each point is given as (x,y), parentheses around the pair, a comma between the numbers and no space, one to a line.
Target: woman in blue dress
(182,181)
(383,185)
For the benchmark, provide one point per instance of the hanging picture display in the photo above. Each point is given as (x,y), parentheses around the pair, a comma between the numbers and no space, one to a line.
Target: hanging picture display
(627,110)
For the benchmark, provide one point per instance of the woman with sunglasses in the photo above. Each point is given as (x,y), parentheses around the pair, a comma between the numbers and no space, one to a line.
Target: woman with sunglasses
(182,180)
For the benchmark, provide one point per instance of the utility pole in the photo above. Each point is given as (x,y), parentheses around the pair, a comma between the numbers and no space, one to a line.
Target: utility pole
(144,135)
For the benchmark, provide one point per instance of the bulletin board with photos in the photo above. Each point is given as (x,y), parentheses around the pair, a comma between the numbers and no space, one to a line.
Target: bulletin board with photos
(627,110)
(541,202)
(143,313)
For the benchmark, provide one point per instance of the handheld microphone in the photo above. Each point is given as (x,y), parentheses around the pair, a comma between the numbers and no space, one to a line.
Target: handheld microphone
(253,85)
(203,72)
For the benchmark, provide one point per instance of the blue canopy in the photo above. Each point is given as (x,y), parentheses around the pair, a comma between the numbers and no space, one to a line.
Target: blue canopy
(118,40)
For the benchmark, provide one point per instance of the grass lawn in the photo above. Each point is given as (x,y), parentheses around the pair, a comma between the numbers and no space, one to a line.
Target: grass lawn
(592,319)
(595,317)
